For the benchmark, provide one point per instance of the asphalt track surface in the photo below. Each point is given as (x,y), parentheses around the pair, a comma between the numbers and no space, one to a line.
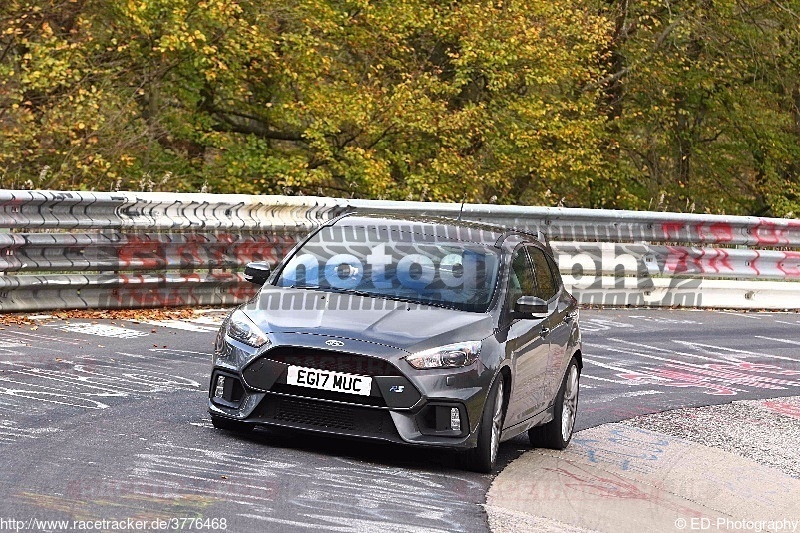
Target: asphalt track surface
(107,420)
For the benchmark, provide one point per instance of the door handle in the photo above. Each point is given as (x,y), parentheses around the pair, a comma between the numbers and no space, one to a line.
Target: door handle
(545,331)
(570,316)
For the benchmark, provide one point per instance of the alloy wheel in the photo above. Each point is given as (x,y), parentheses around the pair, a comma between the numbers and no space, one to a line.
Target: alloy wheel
(570,406)
(497,421)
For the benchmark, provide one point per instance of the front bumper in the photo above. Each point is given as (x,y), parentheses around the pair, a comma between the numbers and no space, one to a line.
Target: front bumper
(405,405)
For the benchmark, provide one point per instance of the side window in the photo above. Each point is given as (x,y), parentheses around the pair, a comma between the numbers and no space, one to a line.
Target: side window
(548,287)
(555,272)
(520,279)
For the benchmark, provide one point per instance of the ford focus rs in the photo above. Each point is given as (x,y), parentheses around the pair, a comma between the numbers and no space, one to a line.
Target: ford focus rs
(423,331)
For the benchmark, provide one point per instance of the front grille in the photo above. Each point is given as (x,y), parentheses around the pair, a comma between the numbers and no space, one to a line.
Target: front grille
(336,418)
(333,361)
(328,416)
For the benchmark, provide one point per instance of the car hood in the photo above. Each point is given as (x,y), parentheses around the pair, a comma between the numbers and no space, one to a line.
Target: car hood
(403,325)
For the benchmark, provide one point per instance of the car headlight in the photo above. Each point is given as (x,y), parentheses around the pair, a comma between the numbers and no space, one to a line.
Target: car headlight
(449,356)
(242,329)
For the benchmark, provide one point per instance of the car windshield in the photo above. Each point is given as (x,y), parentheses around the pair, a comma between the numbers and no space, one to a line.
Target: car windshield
(396,263)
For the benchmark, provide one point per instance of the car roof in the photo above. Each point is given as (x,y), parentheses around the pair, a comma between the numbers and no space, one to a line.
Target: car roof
(436,226)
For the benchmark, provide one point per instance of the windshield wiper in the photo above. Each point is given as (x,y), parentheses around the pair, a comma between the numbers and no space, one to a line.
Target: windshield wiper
(347,291)
(331,289)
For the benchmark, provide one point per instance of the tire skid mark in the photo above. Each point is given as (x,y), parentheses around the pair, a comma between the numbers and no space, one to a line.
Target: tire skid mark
(11,432)
(88,377)
(58,340)
(716,370)
(350,492)
(86,383)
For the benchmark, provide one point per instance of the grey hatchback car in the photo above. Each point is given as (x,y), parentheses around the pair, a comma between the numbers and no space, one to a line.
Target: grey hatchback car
(423,331)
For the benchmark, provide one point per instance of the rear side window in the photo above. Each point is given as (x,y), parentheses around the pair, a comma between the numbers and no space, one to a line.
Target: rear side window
(547,284)
(521,281)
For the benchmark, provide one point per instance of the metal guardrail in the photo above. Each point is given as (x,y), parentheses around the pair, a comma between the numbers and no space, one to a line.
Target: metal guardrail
(607,259)
(116,250)
(568,224)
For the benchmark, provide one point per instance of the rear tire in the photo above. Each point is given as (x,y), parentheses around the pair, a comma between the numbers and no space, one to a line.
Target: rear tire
(557,433)
(233,426)
(484,457)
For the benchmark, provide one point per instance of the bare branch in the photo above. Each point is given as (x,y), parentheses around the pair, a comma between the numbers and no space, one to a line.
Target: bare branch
(237,122)
(784,8)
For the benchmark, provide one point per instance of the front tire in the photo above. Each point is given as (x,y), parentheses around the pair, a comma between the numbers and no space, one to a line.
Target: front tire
(557,433)
(234,426)
(484,457)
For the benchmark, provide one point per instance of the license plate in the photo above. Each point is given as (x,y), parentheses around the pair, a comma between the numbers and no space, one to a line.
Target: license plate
(327,380)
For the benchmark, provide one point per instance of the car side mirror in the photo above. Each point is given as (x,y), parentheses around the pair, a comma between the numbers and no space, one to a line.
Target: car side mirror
(530,307)
(257,272)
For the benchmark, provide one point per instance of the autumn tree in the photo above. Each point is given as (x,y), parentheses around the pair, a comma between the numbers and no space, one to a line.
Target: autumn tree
(703,98)
(597,103)
(398,99)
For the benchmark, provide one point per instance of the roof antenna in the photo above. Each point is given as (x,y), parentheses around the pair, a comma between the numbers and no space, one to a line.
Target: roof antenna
(463,199)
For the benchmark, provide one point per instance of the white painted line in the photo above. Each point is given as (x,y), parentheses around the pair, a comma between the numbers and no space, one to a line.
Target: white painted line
(44,396)
(210,320)
(625,371)
(103,330)
(182,325)
(68,379)
(48,338)
(639,393)
(744,352)
(6,344)
(658,349)
(620,381)
(664,320)
(743,315)
(785,341)
(632,394)
(736,377)
(760,379)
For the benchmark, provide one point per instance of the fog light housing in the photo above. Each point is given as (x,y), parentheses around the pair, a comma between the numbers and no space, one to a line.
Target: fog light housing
(443,420)
(455,419)
(226,390)
(219,390)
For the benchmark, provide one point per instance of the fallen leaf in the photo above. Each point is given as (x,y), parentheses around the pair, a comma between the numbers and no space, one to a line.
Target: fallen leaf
(11,320)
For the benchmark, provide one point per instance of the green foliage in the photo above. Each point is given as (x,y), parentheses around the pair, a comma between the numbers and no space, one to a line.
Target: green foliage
(586,102)
(706,107)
